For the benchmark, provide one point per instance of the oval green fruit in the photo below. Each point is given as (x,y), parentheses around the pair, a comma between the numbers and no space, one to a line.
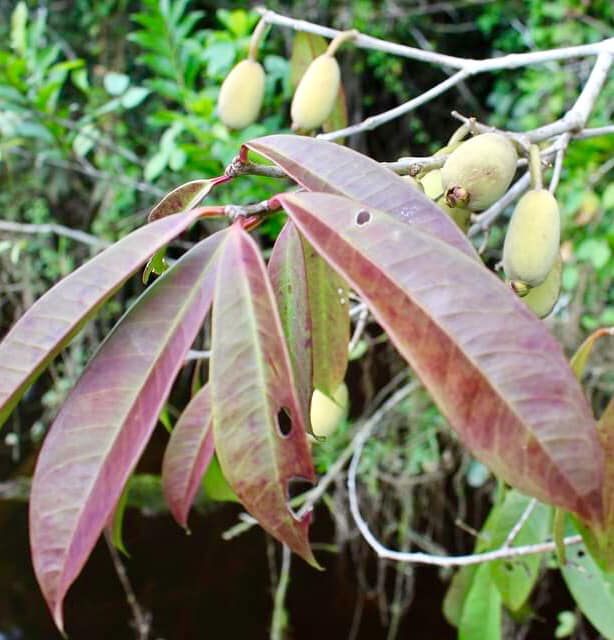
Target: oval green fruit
(325,413)
(433,188)
(532,239)
(241,95)
(479,171)
(541,299)
(432,184)
(314,99)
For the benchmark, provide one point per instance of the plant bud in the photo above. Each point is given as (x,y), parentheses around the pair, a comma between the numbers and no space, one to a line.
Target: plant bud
(326,414)
(241,95)
(541,299)
(314,99)
(532,239)
(479,171)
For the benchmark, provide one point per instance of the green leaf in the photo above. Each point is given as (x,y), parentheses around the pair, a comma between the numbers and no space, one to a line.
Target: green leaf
(134,96)
(215,484)
(481,617)
(591,588)
(156,165)
(328,299)
(581,356)
(115,83)
(19,25)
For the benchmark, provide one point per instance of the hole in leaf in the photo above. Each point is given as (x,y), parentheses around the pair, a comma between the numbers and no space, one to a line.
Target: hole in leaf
(509,567)
(581,553)
(284,421)
(363,217)
(296,487)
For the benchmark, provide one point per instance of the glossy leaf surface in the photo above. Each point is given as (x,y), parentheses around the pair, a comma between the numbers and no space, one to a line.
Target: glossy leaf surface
(252,388)
(494,370)
(287,272)
(187,456)
(105,423)
(327,167)
(55,318)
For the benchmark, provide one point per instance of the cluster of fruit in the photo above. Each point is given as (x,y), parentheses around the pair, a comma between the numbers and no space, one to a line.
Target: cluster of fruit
(476,173)
(241,94)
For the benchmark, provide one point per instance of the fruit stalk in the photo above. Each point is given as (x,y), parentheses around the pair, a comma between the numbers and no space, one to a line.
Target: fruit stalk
(257,36)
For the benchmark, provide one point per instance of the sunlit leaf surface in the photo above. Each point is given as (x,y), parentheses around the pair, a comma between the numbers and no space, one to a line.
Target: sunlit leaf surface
(257,422)
(324,166)
(105,423)
(494,370)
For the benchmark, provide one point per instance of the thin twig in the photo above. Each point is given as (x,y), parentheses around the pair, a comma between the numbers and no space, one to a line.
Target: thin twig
(54,229)
(515,530)
(558,161)
(278,620)
(141,620)
(426,558)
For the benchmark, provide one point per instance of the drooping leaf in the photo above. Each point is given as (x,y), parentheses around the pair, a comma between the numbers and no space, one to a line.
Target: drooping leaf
(581,356)
(288,277)
(592,589)
(183,198)
(258,428)
(494,370)
(328,299)
(105,423)
(188,453)
(306,47)
(481,617)
(318,165)
(55,318)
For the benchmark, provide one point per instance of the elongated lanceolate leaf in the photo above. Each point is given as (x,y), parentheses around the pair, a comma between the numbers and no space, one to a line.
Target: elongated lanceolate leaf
(187,456)
(105,423)
(252,387)
(54,319)
(287,273)
(328,298)
(324,166)
(493,369)
(184,197)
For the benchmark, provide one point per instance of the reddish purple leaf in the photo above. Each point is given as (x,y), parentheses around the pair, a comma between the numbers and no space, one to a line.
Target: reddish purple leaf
(324,166)
(259,449)
(55,318)
(493,368)
(287,273)
(105,423)
(188,455)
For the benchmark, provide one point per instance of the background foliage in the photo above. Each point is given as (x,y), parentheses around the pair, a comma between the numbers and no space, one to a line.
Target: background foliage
(105,106)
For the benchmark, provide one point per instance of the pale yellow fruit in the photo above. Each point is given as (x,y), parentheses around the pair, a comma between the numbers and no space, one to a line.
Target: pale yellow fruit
(479,171)
(326,414)
(314,99)
(432,184)
(541,299)
(241,95)
(532,239)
